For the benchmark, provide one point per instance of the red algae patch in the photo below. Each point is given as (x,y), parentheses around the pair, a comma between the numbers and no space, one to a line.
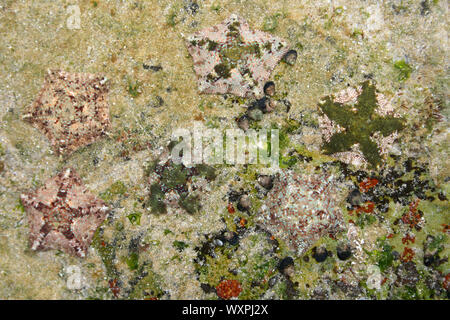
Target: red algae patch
(228,289)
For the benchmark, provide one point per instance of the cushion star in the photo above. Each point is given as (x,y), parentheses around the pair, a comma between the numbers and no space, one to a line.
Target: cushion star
(359,123)
(63,215)
(71,110)
(301,208)
(232,58)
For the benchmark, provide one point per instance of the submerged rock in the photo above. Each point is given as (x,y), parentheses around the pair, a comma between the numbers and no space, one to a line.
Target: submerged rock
(320,254)
(344,251)
(290,57)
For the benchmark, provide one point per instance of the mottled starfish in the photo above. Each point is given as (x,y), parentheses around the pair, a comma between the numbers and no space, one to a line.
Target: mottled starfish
(63,215)
(302,208)
(71,110)
(232,58)
(359,122)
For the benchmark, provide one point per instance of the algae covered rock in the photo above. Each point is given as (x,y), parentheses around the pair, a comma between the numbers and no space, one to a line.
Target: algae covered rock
(359,125)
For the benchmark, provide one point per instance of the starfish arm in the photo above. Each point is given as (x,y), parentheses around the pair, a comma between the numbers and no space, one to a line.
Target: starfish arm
(339,142)
(370,151)
(367,100)
(337,112)
(387,125)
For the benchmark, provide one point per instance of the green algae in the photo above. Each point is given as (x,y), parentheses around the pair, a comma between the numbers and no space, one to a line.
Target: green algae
(174,176)
(206,171)
(232,54)
(216,7)
(290,153)
(107,252)
(149,287)
(190,203)
(213,270)
(271,22)
(384,256)
(404,70)
(223,70)
(438,243)
(135,218)
(360,125)
(171,19)
(255,267)
(180,245)
(212,45)
(133,261)
(156,200)
(290,126)
(134,88)
(365,219)
(118,188)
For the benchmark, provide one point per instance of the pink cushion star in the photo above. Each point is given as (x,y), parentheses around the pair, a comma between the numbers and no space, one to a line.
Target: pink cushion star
(232,58)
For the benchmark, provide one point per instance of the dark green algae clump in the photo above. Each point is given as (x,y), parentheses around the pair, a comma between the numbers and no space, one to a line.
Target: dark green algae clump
(359,125)
(174,176)
(231,55)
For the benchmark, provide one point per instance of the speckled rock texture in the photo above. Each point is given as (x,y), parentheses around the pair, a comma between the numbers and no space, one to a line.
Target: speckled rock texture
(356,209)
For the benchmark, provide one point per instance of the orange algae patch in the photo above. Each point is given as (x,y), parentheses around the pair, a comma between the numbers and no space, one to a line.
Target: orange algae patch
(407,255)
(114,288)
(446,283)
(367,208)
(412,217)
(408,238)
(368,184)
(229,289)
